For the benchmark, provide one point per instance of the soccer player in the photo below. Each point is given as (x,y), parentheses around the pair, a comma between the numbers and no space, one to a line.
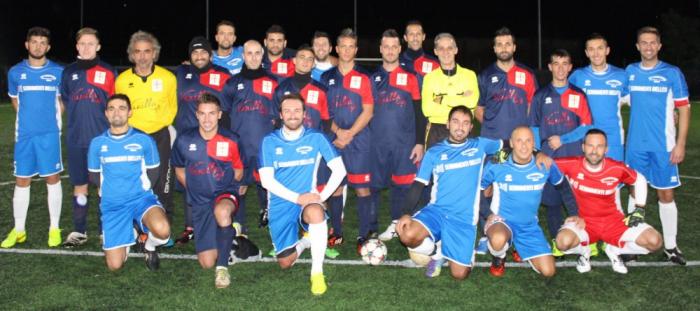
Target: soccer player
(227,55)
(194,79)
(595,179)
(414,57)
(289,159)
(559,117)
(654,146)
(321,44)
(152,91)
(208,163)
(517,193)
(448,87)
(278,58)
(397,129)
(455,166)
(33,86)
(350,105)
(248,96)
(123,161)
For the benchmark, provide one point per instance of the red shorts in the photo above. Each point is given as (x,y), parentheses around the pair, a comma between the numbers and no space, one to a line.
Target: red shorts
(608,229)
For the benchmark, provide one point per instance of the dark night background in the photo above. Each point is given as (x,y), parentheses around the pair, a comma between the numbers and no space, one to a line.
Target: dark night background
(564,24)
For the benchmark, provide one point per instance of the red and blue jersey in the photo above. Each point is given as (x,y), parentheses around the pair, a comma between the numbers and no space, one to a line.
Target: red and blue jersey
(346,95)
(84,92)
(654,94)
(209,164)
(394,120)
(283,67)
(191,84)
(506,98)
(559,113)
(36,90)
(315,100)
(421,63)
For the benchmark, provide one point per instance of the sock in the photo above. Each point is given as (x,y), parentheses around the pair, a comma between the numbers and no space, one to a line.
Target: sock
(99,215)
(427,247)
(20,205)
(668,212)
(554,219)
(240,215)
(363,214)
(501,253)
(152,242)
(335,204)
(397,196)
(631,204)
(80,210)
(373,220)
(633,248)
(318,234)
(55,197)
(224,240)
(262,195)
(302,245)
(580,250)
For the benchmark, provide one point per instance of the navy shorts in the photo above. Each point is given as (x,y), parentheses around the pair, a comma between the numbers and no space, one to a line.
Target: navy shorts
(205,225)
(391,165)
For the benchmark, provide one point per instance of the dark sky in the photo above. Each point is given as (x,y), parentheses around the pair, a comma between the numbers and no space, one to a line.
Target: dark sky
(176,22)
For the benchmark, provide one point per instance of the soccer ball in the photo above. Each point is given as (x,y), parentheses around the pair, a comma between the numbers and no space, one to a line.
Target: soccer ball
(373,252)
(419,259)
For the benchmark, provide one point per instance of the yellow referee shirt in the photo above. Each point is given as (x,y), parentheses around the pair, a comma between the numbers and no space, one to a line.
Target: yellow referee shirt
(442,92)
(153,98)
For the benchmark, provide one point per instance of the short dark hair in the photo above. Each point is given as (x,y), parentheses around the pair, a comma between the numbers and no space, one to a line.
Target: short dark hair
(390,33)
(305,47)
(503,31)
(649,29)
(596,36)
(320,34)
(595,131)
(275,29)
(122,97)
(37,31)
(208,98)
(224,23)
(462,109)
(347,33)
(87,31)
(414,22)
(561,53)
(295,96)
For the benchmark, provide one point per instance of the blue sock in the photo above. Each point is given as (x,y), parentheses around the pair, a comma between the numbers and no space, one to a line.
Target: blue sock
(364,204)
(188,212)
(554,219)
(484,208)
(372,216)
(335,205)
(99,215)
(224,239)
(398,193)
(240,215)
(80,215)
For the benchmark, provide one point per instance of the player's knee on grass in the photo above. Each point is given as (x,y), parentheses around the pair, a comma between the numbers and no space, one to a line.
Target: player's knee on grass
(115,258)
(459,272)
(287,258)
(207,259)
(544,266)
(498,236)
(313,213)
(567,239)
(650,239)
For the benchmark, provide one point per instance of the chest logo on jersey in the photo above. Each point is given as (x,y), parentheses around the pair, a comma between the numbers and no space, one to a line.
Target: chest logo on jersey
(579,176)
(378,79)
(48,78)
(494,79)
(547,100)
(240,86)
(509,178)
(104,148)
(188,76)
(215,79)
(279,151)
(23,76)
(304,149)
(443,157)
(157,85)
(100,77)
(312,97)
(282,68)
(587,83)
(657,79)
(613,83)
(267,87)
(331,82)
(355,82)
(402,79)
(74,77)
(574,101)
(193,147)
(469,152)
(631,78)
(520,78)
(133,147)
(535,176)
(427,67)
(222,149)
(609,181)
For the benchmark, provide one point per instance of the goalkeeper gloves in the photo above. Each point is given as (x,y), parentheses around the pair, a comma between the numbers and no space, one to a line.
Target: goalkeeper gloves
(635,218)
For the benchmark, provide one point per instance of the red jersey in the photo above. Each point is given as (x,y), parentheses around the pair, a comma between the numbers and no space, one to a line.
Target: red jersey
(595,191)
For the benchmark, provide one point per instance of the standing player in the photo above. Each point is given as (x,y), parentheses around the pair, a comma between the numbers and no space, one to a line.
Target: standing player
(152,90)
(33,86)
(289,160)
(207,162)
(193,80)
(448,87)
(321,44)
(657,89)
(397,129)
(278,58)
(455,167)
(595,179)
(559,117)
(248,96)
(350,105)
(119,161)
(414,57)
(227,55)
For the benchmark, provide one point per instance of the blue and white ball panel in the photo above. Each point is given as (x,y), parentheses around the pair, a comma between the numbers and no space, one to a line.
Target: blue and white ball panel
(457,236)
(118,221)
(528,239)
(656,167)
(40,154)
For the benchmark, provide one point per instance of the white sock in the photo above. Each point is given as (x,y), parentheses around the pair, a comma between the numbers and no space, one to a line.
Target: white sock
(20,205)
(613,249)
(631,205)
(318,234)
(302,245)
(580,250)
(152,242)
(427,247)
(633,248)
(501,253)
(55,198)
(669,223)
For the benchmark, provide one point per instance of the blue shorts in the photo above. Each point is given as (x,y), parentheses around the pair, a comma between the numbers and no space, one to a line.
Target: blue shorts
(656,167)
(357,164)
(205,225)
(118,220)
(284,221)
(77,165)
(616,153)
(528,239)
(457,235)
(392,165)
(39,154)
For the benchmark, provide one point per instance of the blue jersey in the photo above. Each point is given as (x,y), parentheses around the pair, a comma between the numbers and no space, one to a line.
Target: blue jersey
(233,62)
(604,91)
(252,111)
(518,188)
(394,121)
(315,100)
(505,98)
(456,174)
(318,71)
(84,92)
(122,162)
(209,164)
(346,95)
(558,114)
(654,93)
(295,162)
(191,83)
(282,67)
(36,90)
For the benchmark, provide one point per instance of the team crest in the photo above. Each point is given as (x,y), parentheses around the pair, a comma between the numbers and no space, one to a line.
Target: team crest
(427,67)
(609,181)
(157,85)
(215,79)
(469,152)
(133,147)
(574,101)
(304,149)
(535,176)
(282,68)
(100,77)
(520,78)
(402,79)
(222,149)
(267,87)
(48,78)
(312,97)
(657,79)
(355,82)
(613,83)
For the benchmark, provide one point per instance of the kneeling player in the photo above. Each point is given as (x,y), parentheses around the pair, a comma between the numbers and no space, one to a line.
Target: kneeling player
(289,159)
(118,160)
(594,180)
(517,193)
(208,163)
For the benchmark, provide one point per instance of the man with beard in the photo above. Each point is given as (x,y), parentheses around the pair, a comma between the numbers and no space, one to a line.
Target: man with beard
(227,55)
(34,92)
(414,57)
(278,58)
(321,44)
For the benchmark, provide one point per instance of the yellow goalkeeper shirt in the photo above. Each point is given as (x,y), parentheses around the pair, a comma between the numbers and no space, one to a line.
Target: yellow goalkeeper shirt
(153,98)
(441,93)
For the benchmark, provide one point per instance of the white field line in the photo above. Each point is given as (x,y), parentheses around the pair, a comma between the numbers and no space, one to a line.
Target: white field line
(344,262)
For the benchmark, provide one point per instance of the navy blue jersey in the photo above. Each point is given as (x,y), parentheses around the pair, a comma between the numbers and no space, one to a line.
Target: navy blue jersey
(506,99)
(190,86)
(346,95)
(394,119)
(315,100)
(36,90)
(209,164)
(283,67)
(85,93)
(559,114)
(252,111)
(421,65)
